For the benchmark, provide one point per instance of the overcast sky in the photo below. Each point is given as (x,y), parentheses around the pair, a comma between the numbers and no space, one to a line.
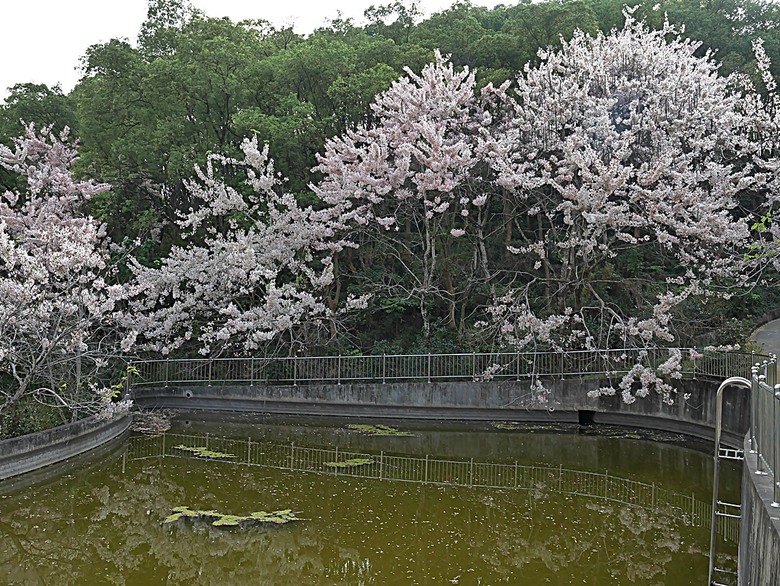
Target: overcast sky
(41,40)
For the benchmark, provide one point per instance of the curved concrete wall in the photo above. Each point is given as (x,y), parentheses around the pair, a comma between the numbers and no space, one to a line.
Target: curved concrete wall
(567,402)
(36,450)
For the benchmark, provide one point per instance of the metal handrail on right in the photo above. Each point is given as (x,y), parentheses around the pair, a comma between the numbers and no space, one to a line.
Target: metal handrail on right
(764,437)
(731,381)
(765,423)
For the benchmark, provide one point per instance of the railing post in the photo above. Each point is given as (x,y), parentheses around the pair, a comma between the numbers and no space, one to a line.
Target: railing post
(128,379)
(338,370)
(694,362)
(166,371)
(429,367)
(775,450)
(295,369)
(252,371)
(384,367)
(211,362)
(754,394)
(517,372)
(760,431)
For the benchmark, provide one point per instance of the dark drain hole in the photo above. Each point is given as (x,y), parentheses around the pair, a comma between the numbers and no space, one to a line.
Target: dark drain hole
(586,417)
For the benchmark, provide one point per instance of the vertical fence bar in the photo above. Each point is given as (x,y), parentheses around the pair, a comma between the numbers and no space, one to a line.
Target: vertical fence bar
(167,360)
(761,421)
(754,390)
(128,379)
(211,362)
(775,450)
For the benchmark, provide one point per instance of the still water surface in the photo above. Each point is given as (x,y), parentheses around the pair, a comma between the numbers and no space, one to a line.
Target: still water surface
(597,506)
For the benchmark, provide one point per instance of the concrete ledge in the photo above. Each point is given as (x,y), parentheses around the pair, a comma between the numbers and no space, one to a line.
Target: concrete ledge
(759,542)
(36,450)
(504,400)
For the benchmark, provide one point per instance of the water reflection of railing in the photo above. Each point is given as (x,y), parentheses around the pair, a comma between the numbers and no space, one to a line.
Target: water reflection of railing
(435,367)
(427,470)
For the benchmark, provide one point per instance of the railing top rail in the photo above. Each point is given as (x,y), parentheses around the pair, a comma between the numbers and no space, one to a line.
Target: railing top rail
(600,352)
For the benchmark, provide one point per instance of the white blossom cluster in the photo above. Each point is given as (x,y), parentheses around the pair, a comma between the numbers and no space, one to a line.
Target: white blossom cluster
(57,310)
(618,146)
(627,142)
(620,142)
(253,272)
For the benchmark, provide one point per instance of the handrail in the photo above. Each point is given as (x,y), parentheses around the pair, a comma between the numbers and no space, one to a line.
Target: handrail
(765,423)
(738,381)
(395,368)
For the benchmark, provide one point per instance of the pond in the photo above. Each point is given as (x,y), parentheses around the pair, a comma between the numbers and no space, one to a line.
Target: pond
(447,504)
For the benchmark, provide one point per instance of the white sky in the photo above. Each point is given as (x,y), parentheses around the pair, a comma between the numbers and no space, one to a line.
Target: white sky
(42,40)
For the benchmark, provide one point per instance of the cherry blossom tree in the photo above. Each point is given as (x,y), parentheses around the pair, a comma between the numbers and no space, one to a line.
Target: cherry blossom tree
(628,156)
(764,108)
(57,308)
(616,171)
(253,265)
(416,187)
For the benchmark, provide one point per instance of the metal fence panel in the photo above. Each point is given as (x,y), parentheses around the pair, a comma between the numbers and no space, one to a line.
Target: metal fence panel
(480,367)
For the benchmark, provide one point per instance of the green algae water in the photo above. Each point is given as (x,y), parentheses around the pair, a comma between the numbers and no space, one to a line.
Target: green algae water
(477,504)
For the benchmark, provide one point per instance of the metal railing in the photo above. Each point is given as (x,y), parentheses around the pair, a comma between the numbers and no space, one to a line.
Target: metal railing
(448,472)
(478,367)
(765,423)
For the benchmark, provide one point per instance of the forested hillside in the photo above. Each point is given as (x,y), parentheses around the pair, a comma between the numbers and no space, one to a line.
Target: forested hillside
(402,251)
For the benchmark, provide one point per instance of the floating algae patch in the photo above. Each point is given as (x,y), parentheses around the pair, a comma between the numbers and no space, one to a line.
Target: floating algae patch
(379,430)
(505,425)
(530,427)
(353,463)
(204,452)
(222,520)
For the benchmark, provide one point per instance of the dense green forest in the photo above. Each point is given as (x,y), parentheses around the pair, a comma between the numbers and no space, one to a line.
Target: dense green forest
(146,113)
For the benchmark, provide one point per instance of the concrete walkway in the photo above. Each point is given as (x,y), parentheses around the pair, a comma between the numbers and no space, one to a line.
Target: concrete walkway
(768,337)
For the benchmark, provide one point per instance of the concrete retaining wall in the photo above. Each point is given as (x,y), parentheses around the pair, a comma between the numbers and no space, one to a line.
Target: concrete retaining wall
(759,542)
(36,450)
(505,400)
